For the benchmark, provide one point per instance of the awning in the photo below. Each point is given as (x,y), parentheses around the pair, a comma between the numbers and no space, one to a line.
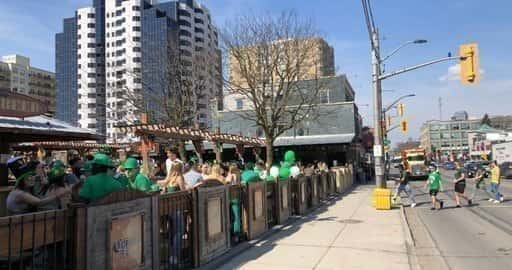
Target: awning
(314,139)
(42,128)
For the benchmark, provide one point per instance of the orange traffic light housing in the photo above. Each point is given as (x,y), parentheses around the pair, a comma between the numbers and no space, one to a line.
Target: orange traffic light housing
(401,109)
(469,63)
(403,126)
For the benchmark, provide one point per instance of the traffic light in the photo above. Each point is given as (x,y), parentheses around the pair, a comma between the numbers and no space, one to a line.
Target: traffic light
(469,68)
(403,125)
(401,109)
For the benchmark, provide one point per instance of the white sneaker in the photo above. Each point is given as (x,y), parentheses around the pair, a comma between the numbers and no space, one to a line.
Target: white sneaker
(502,199)
(413,205)
(491,200)
(495,201)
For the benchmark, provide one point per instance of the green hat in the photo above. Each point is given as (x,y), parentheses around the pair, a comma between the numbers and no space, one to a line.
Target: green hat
(58,164)
(130,163)
(102,159)
(54,173)
(25,175)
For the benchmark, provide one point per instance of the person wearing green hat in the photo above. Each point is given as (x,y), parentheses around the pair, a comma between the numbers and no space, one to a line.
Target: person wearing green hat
(57,182)
(100,183)
(136,180)
(21,199)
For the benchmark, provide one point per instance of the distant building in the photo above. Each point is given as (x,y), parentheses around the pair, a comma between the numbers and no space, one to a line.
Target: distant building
(451,136)
(17,75)
(13,104)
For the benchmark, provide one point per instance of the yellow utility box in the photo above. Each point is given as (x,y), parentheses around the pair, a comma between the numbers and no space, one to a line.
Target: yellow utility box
(382,198)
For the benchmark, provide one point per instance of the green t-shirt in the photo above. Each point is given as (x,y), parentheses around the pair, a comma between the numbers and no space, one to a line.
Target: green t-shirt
(434,181)
(121,178)
(141,183)
(99,185)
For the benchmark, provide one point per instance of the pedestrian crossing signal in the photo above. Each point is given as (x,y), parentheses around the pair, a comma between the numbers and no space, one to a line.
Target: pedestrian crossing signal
(469,66)
(403,126)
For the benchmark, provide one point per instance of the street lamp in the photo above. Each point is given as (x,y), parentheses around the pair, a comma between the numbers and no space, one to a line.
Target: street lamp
(396,101)
(416,41)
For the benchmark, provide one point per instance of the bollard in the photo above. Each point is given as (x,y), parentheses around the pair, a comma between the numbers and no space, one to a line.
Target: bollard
(382,198)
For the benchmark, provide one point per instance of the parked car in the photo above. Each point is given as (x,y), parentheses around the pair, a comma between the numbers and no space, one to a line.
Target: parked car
(506,169)
(449,165)
(472,167)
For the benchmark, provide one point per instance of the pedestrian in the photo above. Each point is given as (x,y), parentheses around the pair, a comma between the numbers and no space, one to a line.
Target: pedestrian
(192,177)
(136,180)
(405,176)
(233,176)
(479,182)
(434,184)
(460,185)
(175,182)
(495,183)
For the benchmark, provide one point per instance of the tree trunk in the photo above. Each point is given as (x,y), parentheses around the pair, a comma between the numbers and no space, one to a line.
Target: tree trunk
(182,151)
(270,151)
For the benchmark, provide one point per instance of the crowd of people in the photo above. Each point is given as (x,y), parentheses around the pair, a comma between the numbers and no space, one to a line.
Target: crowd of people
(55,185)
(434,185)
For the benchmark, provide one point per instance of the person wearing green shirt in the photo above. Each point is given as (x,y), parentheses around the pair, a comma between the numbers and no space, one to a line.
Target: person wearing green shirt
(136,180)
(100,183)
(434,184)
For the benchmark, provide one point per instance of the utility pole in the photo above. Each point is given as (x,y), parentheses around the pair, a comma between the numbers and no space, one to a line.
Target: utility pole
(377,113)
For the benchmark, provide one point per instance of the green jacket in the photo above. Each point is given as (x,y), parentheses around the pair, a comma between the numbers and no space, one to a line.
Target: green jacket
(99,185)
(249,176)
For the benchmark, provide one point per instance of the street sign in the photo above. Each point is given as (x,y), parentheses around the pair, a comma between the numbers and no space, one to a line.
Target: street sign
(387,142)
(377,150)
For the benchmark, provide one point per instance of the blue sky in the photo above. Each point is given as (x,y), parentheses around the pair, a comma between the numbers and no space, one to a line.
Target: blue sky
(28,28)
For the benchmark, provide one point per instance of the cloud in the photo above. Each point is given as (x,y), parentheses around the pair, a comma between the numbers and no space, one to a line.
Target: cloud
(453,73)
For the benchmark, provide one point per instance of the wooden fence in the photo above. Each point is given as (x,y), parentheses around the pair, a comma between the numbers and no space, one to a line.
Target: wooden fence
(179,230)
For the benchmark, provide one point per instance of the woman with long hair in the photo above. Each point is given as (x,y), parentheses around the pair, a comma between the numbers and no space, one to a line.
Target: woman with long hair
(175,181)
(21,199)
(233,176)
(216,173)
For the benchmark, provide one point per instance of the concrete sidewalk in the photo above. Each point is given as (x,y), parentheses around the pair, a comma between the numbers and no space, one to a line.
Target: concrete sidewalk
(348,234)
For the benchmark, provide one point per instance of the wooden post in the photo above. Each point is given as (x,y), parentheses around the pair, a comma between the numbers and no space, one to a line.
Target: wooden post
(218,152)
(4,157)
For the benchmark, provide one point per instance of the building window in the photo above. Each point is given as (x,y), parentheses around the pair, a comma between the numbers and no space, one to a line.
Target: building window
(136,18)
(90,15)
(91,125)
(323,96)
(136,59)
(239,104)
(136,28)
(135,8)
(91,35)
(136,49)
(91,25)
(136,39)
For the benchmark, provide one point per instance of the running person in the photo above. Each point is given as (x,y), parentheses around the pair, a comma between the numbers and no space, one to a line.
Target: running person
(405,176)
(460,185)
(434,184)
(495,183)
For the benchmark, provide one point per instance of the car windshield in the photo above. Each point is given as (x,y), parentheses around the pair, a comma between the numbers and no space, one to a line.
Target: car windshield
(416,158)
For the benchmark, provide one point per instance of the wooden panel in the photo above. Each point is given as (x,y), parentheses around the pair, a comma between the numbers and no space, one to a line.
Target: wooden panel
(314,180)
(28,231)
(255,205)
(283,200)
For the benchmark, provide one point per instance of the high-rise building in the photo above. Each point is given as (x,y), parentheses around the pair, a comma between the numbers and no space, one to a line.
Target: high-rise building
(121,52)
(66,72)
(17,75)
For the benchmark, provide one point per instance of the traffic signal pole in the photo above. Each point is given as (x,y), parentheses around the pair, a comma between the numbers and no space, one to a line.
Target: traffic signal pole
(378,150)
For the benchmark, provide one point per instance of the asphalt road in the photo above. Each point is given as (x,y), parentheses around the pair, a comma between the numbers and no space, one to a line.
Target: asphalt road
(472,237)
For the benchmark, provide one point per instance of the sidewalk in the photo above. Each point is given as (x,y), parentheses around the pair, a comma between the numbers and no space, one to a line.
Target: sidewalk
(348,234)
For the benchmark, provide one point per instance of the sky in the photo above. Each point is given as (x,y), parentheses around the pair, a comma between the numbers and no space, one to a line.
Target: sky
(29,27)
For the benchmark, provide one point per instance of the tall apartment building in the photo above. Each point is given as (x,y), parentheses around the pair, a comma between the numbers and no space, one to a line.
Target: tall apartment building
(119,58)
(66,71)
(451,136)
(17,75)
(320,62)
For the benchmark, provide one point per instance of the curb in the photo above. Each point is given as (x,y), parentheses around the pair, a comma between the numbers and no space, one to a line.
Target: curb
(246,245)
(409,241)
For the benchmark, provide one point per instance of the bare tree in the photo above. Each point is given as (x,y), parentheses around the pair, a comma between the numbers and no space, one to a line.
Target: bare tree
(174,81)
(272,64)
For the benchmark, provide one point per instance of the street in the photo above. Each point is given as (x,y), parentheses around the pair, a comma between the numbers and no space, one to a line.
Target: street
(471,237)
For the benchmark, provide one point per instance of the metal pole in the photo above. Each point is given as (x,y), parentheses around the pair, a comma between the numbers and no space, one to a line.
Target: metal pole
(377,113)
